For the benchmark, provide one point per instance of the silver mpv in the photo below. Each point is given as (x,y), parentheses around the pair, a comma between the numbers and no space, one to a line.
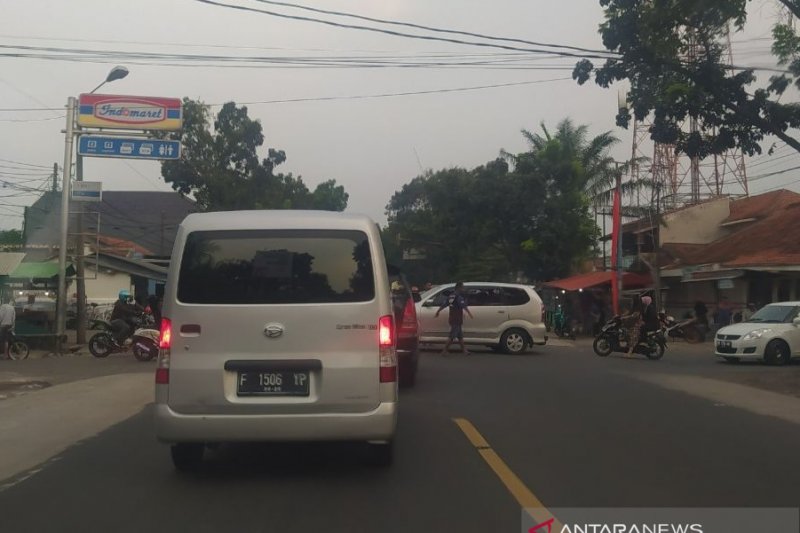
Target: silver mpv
(277,327)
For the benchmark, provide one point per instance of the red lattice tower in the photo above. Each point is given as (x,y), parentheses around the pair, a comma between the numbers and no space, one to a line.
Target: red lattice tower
(688,180)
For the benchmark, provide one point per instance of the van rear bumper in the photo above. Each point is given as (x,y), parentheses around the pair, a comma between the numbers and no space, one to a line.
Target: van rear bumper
(377,425)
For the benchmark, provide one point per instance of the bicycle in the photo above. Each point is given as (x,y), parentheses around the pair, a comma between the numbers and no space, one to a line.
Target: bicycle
(18,348)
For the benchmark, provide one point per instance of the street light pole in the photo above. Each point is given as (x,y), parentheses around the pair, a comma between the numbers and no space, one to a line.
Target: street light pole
(61,302)
(116,73)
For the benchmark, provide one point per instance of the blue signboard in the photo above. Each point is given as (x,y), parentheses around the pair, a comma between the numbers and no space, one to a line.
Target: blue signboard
(128,147)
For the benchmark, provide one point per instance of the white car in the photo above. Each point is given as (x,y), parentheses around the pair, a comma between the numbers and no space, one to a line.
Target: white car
(507,316)
(772,334)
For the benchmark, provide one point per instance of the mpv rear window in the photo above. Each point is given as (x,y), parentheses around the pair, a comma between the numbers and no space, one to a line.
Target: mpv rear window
(276,267)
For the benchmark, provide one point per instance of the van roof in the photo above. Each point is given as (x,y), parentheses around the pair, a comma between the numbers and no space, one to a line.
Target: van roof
(276,219)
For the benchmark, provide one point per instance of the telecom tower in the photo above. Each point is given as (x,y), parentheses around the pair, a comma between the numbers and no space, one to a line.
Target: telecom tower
(685,180)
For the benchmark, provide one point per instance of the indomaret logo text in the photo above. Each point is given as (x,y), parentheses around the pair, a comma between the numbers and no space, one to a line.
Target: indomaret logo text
(130,112)
(548,527)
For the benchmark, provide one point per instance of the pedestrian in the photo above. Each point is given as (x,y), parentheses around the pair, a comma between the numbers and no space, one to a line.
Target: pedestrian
(458,306)
(724,313)
(701,313)
(748,312)
(8,317)
(632,323)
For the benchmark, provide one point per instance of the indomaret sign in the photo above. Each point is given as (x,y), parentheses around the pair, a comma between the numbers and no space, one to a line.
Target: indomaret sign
(129,112)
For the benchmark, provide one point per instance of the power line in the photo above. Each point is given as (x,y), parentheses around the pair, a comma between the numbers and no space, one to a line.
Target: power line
(434,29)
(399,34)
(25,164)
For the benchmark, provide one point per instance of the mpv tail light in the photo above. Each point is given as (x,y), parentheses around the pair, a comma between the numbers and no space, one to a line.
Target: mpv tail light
(387,349)
(164,350)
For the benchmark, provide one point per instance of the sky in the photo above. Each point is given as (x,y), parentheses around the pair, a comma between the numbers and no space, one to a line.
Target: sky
(371,146)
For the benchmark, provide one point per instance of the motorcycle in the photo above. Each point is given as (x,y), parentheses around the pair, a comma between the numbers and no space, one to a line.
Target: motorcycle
(614,338)
(143,342)
(689,329)
(562,325)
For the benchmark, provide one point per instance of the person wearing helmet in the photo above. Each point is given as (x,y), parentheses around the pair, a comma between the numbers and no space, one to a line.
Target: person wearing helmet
(124,315)
(650,320)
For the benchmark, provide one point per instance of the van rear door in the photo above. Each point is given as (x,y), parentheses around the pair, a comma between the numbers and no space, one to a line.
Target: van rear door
(275,322)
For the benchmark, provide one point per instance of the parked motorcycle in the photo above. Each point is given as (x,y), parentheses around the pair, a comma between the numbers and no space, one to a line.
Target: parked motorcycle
(689,329)
(614,338)
(143,342)
(562,325)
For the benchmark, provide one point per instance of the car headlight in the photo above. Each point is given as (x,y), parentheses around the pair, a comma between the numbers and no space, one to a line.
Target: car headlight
(756,334)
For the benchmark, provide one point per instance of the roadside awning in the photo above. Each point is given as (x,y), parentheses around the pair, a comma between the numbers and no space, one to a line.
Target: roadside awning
(594,279)
(38,270)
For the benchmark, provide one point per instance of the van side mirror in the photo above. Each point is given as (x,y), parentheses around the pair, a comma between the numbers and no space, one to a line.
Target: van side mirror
(796,321)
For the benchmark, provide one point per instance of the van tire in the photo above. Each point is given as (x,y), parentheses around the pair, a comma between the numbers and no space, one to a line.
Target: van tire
(514,341)
(379,454)
(187,456)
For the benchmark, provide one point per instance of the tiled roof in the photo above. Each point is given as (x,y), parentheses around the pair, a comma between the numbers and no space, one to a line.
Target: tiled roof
(762,205)
(148,219)
(773,239)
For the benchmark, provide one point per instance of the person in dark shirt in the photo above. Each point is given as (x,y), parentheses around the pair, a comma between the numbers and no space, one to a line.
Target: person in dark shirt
(649,316)
(124,315)
(458,306)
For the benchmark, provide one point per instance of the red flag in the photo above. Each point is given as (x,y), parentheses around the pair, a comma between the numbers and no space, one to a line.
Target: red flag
(615,236)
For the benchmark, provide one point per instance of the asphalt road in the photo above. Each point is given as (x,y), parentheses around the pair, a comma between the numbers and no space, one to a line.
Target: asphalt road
(573,429)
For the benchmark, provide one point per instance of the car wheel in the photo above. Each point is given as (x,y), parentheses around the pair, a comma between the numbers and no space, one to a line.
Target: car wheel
(380,454)
(187,456)
(514,341)
(777,353)
(732,360)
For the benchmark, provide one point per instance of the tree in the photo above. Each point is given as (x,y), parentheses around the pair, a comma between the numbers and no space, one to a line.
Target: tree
(673,55)
(221,167)
(495,222)
(11,237)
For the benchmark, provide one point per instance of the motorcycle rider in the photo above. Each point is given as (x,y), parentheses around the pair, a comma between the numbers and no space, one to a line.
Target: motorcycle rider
(650,319)
(123,316)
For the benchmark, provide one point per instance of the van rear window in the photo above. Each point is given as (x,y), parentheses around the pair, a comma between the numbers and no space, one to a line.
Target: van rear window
(276,267)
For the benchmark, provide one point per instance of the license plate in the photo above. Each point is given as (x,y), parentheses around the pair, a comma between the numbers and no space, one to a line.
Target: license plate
(723,344)
(274,383)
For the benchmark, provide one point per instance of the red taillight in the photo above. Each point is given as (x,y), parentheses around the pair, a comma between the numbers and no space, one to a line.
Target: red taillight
(386,349)
(165,340)
(409,322)
(386,331)
(164,350)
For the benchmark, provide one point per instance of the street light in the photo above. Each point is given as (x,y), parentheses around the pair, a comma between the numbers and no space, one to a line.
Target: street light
(116,73)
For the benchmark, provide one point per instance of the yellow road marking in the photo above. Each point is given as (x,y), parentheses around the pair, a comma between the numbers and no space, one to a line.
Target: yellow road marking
(527,499)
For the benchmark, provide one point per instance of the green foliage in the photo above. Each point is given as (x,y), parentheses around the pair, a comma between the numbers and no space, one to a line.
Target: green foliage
(221,166)
(11,237)
(651,44)
(520,214)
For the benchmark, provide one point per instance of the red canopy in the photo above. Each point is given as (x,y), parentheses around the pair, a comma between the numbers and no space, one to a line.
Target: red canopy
(630,280)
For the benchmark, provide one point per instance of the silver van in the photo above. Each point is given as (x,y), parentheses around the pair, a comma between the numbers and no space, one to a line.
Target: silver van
(506,316)
(277,326)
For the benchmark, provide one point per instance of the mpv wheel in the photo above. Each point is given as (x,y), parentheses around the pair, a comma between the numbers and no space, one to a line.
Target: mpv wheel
(514,341)
(187,456)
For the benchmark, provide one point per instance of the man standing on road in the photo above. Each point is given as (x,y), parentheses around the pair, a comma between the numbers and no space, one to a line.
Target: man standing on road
(458,305)
(8,317)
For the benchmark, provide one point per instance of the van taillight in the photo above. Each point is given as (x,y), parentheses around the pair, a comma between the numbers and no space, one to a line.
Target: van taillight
(164,351)
(165,340)
(386,349)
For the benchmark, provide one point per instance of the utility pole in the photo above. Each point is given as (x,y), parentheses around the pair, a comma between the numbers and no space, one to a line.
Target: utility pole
(55,177)
(657,246)
(61,302)
(80,272)
(618,225)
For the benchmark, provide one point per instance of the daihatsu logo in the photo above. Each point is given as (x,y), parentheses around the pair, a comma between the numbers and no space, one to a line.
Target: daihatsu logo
(273,331)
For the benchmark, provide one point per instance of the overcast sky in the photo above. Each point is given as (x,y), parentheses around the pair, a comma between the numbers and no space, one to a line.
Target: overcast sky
(371,146)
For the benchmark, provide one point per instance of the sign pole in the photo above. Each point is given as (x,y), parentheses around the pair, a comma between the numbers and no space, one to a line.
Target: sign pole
(80,275)
(61,302)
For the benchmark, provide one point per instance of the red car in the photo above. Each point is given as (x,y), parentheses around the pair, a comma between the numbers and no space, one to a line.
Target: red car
(405,317)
